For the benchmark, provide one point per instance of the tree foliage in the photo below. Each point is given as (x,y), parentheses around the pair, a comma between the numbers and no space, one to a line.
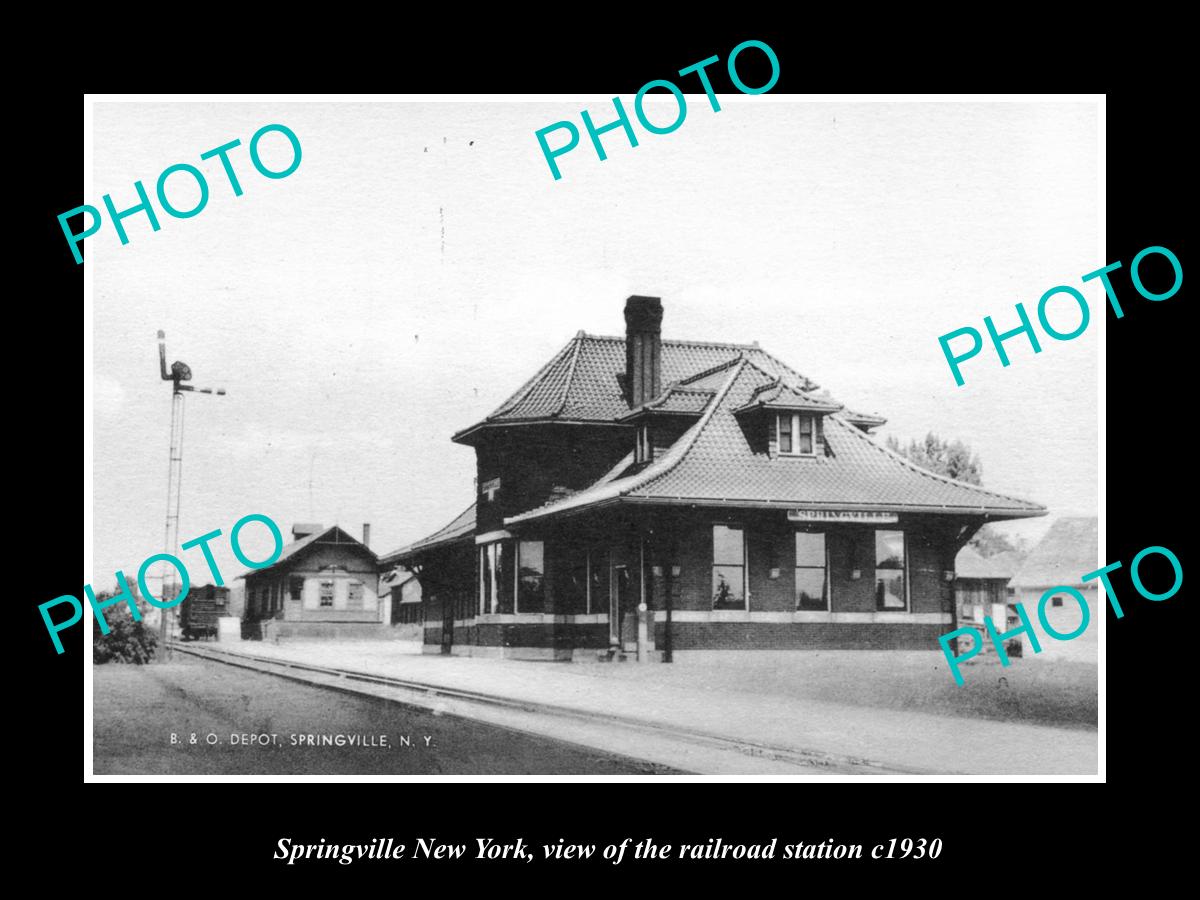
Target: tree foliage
(989,542)
(953,459)
(127,641)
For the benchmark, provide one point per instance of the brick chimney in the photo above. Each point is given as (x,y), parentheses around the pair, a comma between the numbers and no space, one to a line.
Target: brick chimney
(643,349)
(366,534)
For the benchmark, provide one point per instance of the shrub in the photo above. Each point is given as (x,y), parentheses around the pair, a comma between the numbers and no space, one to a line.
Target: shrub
(127,641)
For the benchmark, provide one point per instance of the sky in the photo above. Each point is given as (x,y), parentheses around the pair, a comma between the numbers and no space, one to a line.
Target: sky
(421,263)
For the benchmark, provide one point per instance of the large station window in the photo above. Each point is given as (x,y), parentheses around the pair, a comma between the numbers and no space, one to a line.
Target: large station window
(729,567)
(531,576)
(496,577)
(890,590)
(598,580)
(812,582)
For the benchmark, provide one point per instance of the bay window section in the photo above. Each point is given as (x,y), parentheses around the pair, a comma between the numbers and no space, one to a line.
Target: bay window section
(890,583)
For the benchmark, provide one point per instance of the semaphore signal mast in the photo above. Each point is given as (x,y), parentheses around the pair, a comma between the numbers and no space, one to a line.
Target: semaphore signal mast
(178,373)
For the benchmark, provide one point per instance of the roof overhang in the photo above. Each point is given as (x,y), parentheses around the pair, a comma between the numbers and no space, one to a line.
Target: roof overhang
(647,412)
(469,436)
(989,513)
(809,406)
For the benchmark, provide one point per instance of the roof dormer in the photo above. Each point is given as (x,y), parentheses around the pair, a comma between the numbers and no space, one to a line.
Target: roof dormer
(792,419)
(659,422)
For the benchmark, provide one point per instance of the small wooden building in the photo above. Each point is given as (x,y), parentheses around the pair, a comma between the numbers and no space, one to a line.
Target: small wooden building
(324,584)
(1069,550)
(981,585)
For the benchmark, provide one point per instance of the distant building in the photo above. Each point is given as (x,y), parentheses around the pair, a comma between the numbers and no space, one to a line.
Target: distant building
(402,586)
(324,584)
(1070,549)
(981,589)
(981,585)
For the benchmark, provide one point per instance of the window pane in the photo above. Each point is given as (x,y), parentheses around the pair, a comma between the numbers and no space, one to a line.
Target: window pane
(297,588)
(599,581)
(354,598)
(785,434)
(727,546)
(504,576)
(532,578)
(810,548)
(727,588)
(806,434)
(889,549)
(810,589)
(486,554)
(327,593)
(571,585)
(889,589)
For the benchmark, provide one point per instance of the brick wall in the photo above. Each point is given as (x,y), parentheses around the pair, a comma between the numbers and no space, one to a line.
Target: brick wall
(532,460)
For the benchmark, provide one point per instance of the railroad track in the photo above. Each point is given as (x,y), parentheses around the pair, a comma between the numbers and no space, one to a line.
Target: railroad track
(424,695)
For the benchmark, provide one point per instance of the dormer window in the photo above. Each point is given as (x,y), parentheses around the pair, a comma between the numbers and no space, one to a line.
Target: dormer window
(795,434)
(644,451)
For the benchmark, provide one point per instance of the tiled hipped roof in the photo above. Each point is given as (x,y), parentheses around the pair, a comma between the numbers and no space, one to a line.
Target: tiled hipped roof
(713,462)
(582,382)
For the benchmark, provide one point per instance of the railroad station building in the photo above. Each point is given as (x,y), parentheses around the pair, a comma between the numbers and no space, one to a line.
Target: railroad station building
(647,496)
(325,583)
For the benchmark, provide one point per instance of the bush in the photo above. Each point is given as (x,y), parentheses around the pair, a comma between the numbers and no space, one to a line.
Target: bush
(127,641)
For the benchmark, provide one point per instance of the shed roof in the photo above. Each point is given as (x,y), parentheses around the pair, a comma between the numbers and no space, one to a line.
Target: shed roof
(971,564)
(1068,550)
(460,528)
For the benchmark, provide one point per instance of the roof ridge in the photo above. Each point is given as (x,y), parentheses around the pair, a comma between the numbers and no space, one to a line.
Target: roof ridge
(427,539)
(928,474)
(678,341)
(570,377)
(802,379)
(695,431)
(711,370)
(523,391)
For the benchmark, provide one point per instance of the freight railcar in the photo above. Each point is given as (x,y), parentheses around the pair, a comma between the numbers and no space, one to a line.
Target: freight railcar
(199,612)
